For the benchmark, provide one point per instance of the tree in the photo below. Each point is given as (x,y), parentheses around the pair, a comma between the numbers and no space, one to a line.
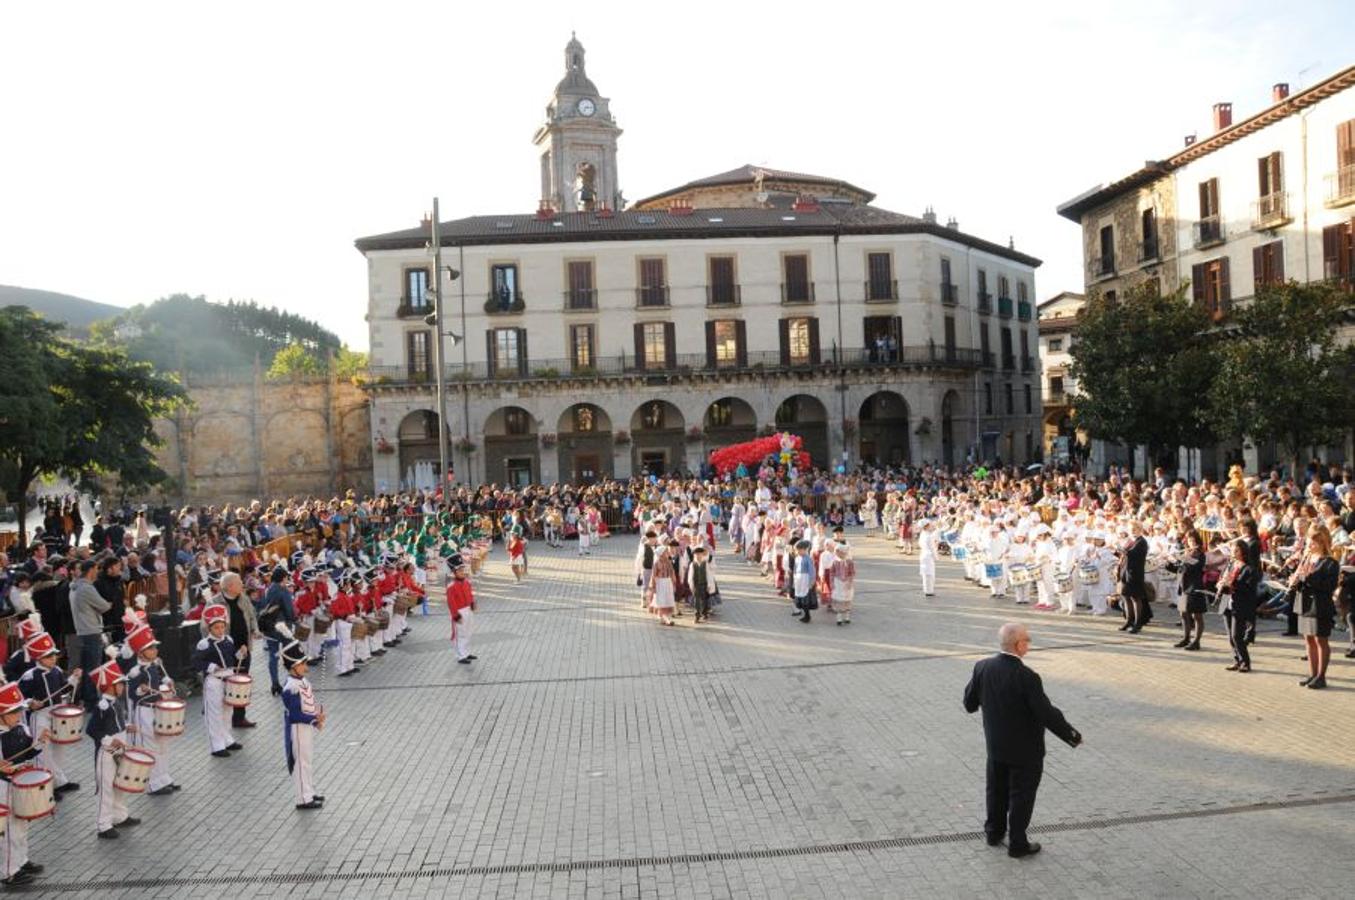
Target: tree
(74,410)
(294,361)
(1142,370)
(1282,375)
(348,364)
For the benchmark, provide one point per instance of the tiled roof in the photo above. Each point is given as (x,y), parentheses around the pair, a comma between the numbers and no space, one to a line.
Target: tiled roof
(748,174)
(630,225)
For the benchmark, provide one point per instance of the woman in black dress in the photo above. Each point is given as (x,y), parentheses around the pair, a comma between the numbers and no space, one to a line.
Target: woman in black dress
(1240,583)
(1194,599)
(1312,588)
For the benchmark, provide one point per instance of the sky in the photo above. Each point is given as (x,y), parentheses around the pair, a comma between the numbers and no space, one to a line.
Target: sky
(236,150)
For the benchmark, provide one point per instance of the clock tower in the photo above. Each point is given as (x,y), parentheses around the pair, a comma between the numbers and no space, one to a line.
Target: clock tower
(578,142)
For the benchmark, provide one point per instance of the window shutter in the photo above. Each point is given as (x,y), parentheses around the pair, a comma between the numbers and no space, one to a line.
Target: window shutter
(670,344)
(640,345)
(814,341)
(489,351)
(1277,262)
(1225,294)
(573,346)
(741,341)
(1197,283)
(409,351)
(592,346)
(710,345)
(784,326)
(1258,266)
(1345,144)
(896,329)
(522,351)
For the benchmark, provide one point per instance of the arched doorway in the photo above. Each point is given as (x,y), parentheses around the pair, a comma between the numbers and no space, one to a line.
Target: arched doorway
(884,430)
(584,433)
(950,410)
(806,416)
(657,438)
(729,420)
(420,461)
(511,454)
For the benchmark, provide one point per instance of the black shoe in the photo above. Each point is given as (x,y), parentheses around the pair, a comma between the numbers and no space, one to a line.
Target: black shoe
(1125,627)
(1233,668)
(1318,683)
(1304,682)
(221,754)
(1350,654)
(32,868)
(1135,630)
(160,792)
(1194,646)
(1181,643)
(465,661)
(176,787)
(471,656)
(67,787)
(994,840)
(318,798)
(106,835)
(314,804)
(235,745)
(128,822)
(243,723)
(346,674)
(277,689)
(1029,850)
(22,877)
(1244,668)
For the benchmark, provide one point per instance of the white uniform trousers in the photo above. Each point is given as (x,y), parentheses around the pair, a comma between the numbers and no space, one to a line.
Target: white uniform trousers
(16,839)
(314,642)
(216,712)
(584,541)
(998,585)
(1097,594)
(344,628)
(147,739)
(1021,592)
(53,755)
(112,802)
(461,633)
(303,741)
(927,568)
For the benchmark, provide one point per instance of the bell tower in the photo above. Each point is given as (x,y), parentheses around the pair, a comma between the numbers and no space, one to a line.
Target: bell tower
(578,142)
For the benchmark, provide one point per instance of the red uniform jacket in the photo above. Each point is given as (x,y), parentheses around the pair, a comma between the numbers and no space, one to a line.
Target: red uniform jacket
(343,606)
(460,595)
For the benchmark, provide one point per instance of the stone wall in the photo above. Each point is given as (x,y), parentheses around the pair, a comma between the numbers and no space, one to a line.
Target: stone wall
(247,438)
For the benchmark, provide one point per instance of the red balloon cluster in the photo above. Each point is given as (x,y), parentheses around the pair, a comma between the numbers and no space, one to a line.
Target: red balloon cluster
(752,453)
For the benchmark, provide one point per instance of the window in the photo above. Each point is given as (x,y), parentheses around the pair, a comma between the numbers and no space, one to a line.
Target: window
(1030,446)
(983,284)
(581,346)
(1338,252)
(654,416)
(1029,397)
(1056,384)
(984,343)
(504,287)
(1148,227)
(721,413)
(418,356)
(415,299)
(1209,286)
(1023,292)
(1210,227)
(798,331)
(945,270)
(1055,345)
(506,345)
(796,286)
(653,282)
(1025,348)
(581,293)
(884,336)
(987,398)
(584,418)
(723,288)
(515,420)
(1008,361)
(1106,262)
(725,342)
(1011,407)
(1004,287)
(880,270)
(950,338)
(1341,188)
(1268,264)
(656,345)
(1269,179)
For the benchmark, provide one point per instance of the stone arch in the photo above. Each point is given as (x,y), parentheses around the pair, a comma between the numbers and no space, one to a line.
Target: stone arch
(807,416)
(583,417)
(728,420)
(417,440)
(884,437)
(658,438)
(512,455)
(584,436)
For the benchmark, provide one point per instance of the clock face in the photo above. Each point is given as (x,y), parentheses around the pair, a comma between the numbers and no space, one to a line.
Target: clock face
(586,107)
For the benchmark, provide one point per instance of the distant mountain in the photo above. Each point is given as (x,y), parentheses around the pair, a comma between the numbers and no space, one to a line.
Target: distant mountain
(77,312)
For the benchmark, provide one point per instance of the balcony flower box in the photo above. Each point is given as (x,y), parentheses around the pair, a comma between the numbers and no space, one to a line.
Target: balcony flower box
(695,434)
(383,445)
(548,439)
(465,445)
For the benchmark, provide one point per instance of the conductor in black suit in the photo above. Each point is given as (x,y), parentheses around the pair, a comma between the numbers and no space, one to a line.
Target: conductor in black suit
(1016,713)
(1133,583)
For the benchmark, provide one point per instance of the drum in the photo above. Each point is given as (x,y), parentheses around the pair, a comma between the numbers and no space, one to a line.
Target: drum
(169,718)
(959,552)
(992,570)
(1153,563)
(134,770)
(1089,573)
(68,724)
(32,794)
(360,630)
(238,688)
(301,632)
(950,537)
(1020,574)
(1063,582)
(1048,514)
(383,619)
(373,625)
(403,604)
(322,623)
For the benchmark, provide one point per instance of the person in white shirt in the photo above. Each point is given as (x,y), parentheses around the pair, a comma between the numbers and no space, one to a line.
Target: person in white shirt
(1020,554)
(926,559)
(995,561)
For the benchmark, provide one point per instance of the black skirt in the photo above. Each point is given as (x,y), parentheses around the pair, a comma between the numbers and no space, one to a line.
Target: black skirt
(1315,626)
(1197,601)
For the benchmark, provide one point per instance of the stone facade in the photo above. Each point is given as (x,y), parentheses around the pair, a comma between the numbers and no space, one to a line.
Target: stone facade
(246,438)
(1137,257)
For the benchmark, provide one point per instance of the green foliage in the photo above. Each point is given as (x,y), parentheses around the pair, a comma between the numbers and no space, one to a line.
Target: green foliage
(294,361)
(349,364)
(75,410)
(1143,372)
(1282,375)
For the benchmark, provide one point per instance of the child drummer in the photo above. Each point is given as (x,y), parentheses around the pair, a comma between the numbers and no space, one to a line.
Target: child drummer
(147,684)
(16,748)
(302,718)
(109,729)
(45,686)
(216,658)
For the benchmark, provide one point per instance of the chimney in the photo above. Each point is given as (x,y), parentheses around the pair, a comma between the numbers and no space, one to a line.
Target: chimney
(1190,139)
(952,224)
(426,221)
(805,203)
(545,211)
(605,212)
(1279,92)
(929,216)
(680,208)
(1223,116)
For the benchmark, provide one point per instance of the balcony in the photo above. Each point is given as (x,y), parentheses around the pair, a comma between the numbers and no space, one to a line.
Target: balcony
(1004,307)
(723,295)
(881,291)
(581,299)
(1341,186)
(793,292)
(417,306)
(1023,310)
(1008,361)
(626,366)
(1208,232)
(985,303)
(1149,250)
(950,295)
(503,303)
(1027,364)
(654,296)
(1270,211)
(989,361)
(1055,398)
(1100,267)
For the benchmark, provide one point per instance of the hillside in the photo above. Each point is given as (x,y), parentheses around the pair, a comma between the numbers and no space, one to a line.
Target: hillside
(76,312)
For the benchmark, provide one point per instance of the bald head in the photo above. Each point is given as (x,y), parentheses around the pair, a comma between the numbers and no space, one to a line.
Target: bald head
(1013,638)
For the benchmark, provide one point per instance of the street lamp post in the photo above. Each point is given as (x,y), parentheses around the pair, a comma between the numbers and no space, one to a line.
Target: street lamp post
(435,320)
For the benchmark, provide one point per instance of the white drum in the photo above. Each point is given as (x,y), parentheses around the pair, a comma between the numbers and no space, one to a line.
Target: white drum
(32,794)
(238,688)
(134,770)
(169,718)
(1020,574)
(1089,574)
(68,724)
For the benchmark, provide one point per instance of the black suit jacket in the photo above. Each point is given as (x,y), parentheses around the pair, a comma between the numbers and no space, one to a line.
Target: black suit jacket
(1016,711)
(1131,573)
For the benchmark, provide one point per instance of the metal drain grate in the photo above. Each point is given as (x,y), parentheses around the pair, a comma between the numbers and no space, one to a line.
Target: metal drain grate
(685,859)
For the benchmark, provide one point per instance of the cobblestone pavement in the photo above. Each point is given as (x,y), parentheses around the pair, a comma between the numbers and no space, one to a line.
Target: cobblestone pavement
(591,753)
